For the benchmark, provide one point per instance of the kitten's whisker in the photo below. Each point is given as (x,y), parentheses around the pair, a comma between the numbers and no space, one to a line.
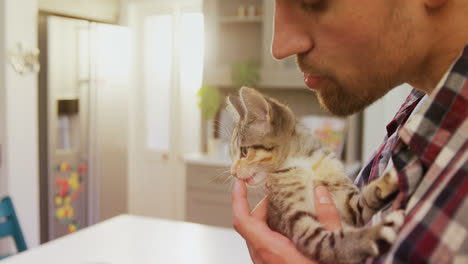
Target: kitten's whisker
(223,173)
(220,176)
(224,170)
(231,184)
(230,178)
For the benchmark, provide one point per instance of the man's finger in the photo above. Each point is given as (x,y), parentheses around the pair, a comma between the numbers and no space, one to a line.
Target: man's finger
(240,205)
(261,210)
(326,210)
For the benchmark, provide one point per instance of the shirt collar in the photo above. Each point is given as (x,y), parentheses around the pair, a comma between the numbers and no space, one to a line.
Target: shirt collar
(405,111)
(428,130)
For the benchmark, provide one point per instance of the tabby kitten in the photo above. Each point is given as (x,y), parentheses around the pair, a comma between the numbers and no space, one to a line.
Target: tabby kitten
(270,147)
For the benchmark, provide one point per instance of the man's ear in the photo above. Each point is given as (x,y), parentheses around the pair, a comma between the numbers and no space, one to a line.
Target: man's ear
(434,4)
(258,109)
(236,107)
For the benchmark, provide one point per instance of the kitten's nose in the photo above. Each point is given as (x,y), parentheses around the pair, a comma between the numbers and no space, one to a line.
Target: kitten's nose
(234,173)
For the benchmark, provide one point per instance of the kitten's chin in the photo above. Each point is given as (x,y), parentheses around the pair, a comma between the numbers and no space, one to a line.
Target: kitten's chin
(256,179)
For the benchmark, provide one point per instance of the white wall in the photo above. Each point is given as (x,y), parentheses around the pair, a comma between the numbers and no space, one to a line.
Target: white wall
(377,116)
(100,10)
(3,179)
(20,175)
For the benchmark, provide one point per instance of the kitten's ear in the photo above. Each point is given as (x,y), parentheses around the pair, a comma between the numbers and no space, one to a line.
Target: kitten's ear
(258,108)
(236,107)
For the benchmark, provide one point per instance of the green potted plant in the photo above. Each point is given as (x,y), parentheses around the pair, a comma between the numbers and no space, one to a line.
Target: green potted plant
(245,74)
(209,103)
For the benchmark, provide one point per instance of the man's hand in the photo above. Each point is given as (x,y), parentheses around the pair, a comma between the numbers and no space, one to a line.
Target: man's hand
(265,245)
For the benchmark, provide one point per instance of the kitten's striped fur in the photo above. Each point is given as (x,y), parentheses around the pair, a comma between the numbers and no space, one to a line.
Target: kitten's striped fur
(269,147)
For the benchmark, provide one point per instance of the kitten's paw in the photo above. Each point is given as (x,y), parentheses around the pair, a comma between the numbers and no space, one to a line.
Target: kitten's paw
(388,184)
(395,219)
(388,230)
(391,177)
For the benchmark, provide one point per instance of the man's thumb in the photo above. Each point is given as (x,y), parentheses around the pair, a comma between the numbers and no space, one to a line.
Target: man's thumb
(325,209)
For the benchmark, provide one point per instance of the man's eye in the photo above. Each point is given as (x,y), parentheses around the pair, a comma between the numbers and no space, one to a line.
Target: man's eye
(244,151)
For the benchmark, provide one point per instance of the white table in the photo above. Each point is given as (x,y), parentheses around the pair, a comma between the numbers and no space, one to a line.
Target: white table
(139,240)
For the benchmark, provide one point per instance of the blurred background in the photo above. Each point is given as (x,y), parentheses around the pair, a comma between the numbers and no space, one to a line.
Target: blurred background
(112,107)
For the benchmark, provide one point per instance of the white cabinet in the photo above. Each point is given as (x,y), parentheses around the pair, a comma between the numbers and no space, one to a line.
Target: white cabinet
(235,35)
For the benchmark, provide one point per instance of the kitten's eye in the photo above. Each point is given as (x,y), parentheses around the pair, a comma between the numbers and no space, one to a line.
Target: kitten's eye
(244,151)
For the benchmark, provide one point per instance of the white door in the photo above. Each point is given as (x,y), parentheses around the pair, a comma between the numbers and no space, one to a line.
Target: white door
(165,119)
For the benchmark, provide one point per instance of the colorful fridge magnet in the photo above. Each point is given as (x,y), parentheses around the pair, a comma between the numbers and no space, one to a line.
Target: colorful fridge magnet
(65,166)
(69,188)
(58,200)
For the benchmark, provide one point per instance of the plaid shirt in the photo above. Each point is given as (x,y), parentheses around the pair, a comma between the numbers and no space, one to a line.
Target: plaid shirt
(429,150)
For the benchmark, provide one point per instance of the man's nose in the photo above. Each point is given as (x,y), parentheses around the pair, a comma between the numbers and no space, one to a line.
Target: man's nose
(291,35)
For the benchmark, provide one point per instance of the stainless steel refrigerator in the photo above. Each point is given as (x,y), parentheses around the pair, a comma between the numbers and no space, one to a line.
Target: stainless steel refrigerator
(84,74)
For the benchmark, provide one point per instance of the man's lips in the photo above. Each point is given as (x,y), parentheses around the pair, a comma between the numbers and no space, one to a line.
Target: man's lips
(311,81)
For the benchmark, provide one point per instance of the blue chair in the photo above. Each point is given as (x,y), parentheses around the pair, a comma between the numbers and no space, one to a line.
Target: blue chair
(9,225)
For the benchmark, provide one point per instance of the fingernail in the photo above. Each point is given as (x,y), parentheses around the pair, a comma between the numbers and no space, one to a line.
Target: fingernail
(322,194)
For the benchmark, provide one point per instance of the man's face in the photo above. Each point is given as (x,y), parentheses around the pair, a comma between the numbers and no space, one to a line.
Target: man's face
(352,52)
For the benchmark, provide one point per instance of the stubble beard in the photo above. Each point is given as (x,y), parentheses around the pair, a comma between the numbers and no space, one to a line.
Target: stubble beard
(347,96)
(341,101)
